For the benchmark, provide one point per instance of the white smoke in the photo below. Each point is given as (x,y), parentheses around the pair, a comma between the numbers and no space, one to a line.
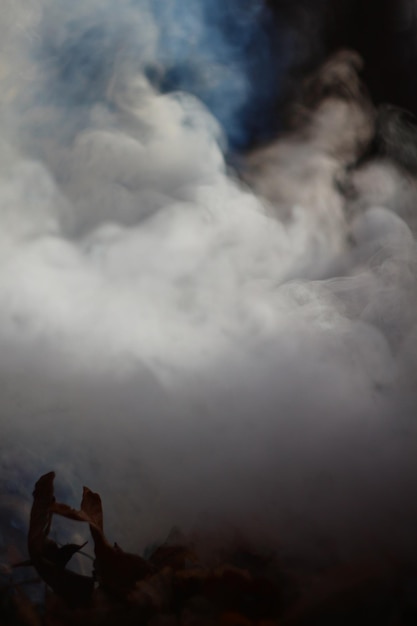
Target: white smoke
(189,344)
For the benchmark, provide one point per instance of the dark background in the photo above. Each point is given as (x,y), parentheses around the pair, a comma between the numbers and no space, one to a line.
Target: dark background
(384,32)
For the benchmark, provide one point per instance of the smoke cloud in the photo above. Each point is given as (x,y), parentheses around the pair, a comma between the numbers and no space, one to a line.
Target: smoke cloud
(193,342)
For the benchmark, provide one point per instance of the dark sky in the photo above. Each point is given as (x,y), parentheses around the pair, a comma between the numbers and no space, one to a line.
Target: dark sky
(384,32)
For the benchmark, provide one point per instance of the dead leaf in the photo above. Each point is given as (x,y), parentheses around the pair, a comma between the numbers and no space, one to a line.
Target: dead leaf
(47,558)
(91,506)
(116,571)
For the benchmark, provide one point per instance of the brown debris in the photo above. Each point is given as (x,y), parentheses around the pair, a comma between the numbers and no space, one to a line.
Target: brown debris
(46,557)
(172,588)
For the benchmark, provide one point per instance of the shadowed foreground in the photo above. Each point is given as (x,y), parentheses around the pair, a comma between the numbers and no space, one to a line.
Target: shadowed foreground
(180,583)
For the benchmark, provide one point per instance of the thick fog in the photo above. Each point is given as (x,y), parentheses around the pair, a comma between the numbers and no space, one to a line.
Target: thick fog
(200,344)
